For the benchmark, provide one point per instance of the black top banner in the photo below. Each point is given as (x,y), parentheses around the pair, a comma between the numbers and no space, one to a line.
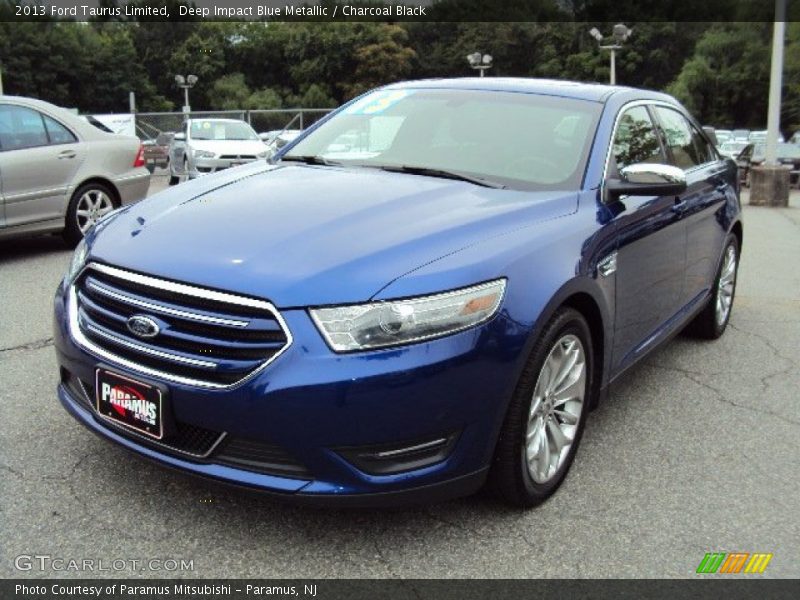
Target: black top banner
(397,10)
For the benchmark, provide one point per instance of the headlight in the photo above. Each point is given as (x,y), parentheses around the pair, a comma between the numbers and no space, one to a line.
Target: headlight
(263,154)
(203,154)
(380,324)
(78,260)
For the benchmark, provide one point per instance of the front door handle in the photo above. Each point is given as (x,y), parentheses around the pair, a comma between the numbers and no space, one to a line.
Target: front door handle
(67,154)
(680,206)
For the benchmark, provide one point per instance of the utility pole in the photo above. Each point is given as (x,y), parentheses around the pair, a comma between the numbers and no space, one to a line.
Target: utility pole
(620,33)
(775,80)
(769,183)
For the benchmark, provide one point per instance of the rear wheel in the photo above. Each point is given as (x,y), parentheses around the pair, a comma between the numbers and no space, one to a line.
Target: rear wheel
(89,204)
(711,323)
(173,178)
(546,416)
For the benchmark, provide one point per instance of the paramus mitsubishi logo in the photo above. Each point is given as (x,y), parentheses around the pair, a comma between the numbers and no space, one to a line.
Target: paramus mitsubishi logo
(143,327)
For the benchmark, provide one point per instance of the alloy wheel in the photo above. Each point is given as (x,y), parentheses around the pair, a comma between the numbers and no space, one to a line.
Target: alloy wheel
(725,285)
(92,206)
(556,407)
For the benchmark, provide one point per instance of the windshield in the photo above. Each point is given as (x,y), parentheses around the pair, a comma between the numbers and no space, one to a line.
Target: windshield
(210,129)
(516,140)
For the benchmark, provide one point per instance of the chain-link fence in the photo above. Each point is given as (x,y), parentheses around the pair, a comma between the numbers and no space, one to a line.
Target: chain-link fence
(149,125)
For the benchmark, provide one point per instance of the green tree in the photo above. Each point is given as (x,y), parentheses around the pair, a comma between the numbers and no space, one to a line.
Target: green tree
(726,80)
(230,92)
(383,59)
(790,117)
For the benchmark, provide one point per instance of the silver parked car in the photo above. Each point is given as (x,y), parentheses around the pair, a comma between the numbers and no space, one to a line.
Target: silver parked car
(209,145)
(58,172)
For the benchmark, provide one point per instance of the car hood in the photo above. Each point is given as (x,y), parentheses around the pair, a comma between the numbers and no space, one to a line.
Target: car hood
(229,146)
(302,236)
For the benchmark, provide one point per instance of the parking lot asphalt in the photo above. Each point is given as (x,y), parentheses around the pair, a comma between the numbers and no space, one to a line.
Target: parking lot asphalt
(696,450)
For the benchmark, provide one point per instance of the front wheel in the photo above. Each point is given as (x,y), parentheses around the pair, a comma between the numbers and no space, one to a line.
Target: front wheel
(546,416)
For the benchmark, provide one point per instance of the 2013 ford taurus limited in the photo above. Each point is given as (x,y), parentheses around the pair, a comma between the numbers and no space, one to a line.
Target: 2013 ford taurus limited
(425,293)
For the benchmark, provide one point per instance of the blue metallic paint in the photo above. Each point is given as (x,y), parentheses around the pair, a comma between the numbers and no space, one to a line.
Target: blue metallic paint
(303,236)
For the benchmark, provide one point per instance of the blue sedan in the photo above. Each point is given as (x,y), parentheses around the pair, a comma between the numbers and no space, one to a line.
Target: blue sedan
(425,293)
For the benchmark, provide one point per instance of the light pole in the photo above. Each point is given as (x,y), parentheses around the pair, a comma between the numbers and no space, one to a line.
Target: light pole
(619,34)
(186,83)
(480,61)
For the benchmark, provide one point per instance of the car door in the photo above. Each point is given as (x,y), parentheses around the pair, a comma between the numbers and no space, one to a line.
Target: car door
(2,201)
(39,157)
(709,184)
(651,245)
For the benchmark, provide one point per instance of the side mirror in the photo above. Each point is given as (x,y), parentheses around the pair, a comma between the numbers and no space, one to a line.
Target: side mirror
(180,137)
(645,179)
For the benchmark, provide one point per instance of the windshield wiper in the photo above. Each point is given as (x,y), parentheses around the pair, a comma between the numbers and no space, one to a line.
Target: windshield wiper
(442,173)
(310,160)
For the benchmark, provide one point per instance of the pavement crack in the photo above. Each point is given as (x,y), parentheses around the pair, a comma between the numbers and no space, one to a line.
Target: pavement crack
(383,560)
(680,370)
(721,397)
(37,345)
(454,524)
(788,218)
(12,470)
(791,363)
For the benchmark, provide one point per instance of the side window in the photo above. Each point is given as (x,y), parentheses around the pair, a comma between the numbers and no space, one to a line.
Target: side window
(704,150)
(57,133)
(21,127)
(678,134)
(635,140)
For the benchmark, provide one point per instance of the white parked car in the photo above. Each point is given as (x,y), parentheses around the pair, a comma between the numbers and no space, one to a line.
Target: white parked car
(278,138)
(732,148)
(210,145)
(60,172)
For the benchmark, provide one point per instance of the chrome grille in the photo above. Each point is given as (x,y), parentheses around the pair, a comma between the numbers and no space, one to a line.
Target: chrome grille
(203,337)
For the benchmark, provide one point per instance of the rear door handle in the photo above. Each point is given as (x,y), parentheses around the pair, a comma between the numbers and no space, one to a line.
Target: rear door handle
(67,154)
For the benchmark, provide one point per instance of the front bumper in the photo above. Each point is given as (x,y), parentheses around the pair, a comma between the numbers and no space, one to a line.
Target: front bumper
(204,166)
(311,402)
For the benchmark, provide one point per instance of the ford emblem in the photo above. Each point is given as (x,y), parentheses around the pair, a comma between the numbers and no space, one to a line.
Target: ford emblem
(143,327)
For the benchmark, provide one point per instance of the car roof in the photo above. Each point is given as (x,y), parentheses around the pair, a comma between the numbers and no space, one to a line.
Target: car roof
(596,92)
(75,121)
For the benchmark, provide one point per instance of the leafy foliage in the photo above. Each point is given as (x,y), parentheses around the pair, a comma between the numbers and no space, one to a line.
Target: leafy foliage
(719,70)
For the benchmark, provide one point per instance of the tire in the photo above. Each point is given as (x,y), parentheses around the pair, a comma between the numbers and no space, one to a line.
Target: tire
(711,323)
(173,179)
(511,477)
(89,203)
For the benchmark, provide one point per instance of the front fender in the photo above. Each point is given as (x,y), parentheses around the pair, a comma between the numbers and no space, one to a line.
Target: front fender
(549,265)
